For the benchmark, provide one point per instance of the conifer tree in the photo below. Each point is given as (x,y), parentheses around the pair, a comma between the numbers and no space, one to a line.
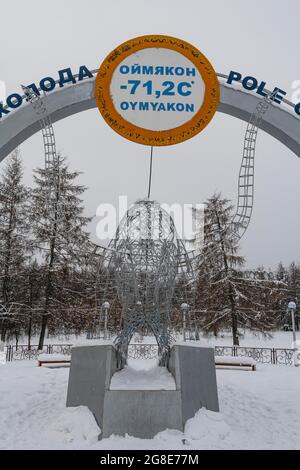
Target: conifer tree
(220,266)
(226,296)
(58,227)
(14,228)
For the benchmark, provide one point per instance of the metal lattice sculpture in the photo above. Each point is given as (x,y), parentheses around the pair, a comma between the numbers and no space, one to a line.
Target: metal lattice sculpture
(146,259)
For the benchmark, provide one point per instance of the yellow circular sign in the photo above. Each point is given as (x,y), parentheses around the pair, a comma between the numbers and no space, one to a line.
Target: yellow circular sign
(157,90)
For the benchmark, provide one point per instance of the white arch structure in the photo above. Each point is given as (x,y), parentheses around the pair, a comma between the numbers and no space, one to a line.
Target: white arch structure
(280,122)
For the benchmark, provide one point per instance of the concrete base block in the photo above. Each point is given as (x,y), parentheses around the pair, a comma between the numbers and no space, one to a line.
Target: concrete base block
(91,370)
(194,371)
(142,413)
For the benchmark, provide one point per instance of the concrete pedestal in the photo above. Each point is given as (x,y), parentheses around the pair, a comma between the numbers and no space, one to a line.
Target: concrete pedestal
(142,413)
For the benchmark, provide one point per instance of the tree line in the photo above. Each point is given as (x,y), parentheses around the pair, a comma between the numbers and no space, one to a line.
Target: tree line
(49,276)
(232,297)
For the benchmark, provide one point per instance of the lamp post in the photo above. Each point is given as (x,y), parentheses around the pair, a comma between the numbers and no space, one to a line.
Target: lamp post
(2,339)
(292,308)
(106,307)
(139,307)
(184,309)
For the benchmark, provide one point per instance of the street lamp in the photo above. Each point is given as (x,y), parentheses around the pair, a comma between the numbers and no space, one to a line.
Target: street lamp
(106,307)
(292,308)
(141,331)
(184,309)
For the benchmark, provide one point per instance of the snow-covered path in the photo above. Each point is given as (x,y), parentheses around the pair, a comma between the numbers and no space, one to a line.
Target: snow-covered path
(259,410)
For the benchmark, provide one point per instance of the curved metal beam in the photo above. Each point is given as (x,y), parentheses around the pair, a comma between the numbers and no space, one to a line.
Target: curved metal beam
(280,121)
(15,128)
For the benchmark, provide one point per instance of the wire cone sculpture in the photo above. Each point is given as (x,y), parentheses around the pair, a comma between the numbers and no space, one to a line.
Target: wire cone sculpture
(145,258)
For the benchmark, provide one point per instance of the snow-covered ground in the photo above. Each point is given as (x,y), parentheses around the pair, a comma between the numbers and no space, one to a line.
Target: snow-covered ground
(135,377)
(259,410)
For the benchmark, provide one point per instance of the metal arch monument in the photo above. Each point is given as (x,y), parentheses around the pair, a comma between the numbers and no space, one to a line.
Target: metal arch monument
(172,75)
(18,126)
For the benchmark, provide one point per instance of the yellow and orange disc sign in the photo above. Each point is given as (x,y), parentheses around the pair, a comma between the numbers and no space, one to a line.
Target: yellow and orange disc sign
(157,90)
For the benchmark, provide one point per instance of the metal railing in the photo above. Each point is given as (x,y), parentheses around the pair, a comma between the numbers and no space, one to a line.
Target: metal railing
(275,356)
(260,355)
(22,352)
(142,351)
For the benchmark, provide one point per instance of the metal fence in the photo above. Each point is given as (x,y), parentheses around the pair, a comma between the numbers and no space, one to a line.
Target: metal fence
(22,352)
(259,355)
(142,351)
(149,351)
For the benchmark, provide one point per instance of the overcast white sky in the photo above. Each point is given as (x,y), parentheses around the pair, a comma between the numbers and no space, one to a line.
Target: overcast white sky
(259,38)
